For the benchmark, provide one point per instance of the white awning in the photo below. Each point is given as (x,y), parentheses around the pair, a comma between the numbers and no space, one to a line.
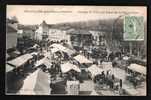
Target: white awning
(125,58)
(20,60)
(82,59)
(138,68)
(57,47)
(16,52)
(53,50)
(94,70)
(68,66)
(36,45)
(34,53)
(9,68)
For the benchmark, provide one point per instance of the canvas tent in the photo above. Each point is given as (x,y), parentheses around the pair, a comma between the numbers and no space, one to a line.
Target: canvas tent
(9,68)
(94,70)
(82,59)
(20,60)
(53,50)
(68,66)
(60,47)
(138,68)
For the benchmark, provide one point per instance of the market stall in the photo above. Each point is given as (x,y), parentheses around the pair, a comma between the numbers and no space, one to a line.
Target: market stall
(82,59)
(53,50)
(70,71)
(62,48)
(9,68)
(62,52)
(94,71)
(136,74)
(20,62)
(138,68)
(68,66)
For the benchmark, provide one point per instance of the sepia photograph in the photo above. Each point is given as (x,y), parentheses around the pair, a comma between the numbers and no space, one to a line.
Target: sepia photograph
(76,50)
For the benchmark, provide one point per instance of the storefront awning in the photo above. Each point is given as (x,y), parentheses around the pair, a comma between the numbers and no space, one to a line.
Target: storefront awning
(20,60)
(138,68)
(68,66)
(82,59)
(94,70)
(8,68)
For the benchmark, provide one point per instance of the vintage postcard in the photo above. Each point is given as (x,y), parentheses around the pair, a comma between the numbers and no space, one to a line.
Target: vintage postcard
(76,50)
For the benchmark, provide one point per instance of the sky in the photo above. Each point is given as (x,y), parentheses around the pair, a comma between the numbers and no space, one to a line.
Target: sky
(35,14)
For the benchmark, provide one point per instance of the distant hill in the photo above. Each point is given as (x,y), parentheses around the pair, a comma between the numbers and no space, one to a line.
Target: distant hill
(102,25)
(105,25)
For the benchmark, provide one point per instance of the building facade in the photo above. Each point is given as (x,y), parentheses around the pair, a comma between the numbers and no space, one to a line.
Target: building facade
(52,34)
(11,34)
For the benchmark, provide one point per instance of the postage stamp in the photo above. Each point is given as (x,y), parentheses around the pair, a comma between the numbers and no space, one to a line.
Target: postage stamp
(133,28)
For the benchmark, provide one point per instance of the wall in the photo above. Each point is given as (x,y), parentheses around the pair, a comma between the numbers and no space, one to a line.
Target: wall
(56,34)
(29,33)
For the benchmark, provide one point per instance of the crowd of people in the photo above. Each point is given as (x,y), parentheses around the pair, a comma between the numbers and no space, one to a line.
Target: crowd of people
(108,80)
(105,79)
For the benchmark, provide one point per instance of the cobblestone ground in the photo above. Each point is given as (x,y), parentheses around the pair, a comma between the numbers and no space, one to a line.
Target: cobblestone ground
(42,86)
(29,84)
